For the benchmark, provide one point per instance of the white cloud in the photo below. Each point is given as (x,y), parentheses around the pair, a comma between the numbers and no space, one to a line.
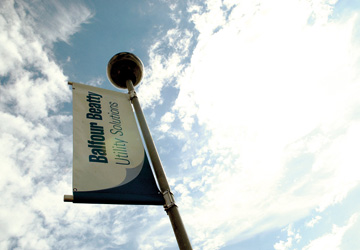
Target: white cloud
(36,84)
(291,238)
(164,66)
(165,122)
(313,221)
(62,19)
(332,240)
(96,81)
(27,28)
(168,117)
(35,140)
(275,97)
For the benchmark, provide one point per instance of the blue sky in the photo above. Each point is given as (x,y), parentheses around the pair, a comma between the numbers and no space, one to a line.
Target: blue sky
(254,107)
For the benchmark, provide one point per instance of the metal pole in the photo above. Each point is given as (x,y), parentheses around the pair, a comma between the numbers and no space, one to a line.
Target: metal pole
(170,206)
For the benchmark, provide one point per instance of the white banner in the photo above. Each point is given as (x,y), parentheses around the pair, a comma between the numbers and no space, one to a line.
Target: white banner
(108,150)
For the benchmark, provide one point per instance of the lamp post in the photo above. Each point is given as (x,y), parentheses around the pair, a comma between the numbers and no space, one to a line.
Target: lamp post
(125,71)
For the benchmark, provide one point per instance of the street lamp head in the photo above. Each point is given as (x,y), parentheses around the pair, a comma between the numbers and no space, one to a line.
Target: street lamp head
(124,66)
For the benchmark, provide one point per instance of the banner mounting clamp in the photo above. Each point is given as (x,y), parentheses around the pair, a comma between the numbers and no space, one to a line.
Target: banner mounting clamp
(169,200)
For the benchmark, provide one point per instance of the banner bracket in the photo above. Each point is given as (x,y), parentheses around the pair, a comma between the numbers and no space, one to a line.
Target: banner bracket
(68,198)
(132,94)
(169,200)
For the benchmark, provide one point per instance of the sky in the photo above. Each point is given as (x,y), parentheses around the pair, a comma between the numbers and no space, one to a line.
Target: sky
(253,105)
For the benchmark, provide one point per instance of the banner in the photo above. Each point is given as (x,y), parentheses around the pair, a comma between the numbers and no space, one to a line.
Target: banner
(110,164)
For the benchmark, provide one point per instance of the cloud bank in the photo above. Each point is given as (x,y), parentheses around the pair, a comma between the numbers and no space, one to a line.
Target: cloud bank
(35,137)
(269,103)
